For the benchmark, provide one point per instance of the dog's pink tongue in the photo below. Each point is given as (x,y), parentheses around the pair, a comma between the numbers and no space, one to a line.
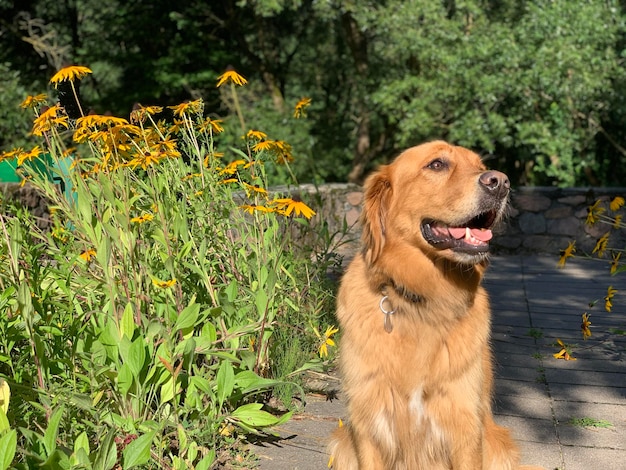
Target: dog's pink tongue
(483,235)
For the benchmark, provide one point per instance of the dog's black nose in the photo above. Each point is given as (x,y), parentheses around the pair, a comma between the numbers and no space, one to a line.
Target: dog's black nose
(495,183)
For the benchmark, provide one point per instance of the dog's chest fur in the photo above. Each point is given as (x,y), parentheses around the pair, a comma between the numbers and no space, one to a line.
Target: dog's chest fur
(415,373)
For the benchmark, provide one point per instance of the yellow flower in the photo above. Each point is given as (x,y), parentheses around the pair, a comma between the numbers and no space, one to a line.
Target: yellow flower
(564,353)
(616,203)
(163,284)
(141,112)
(142,218)
(594,212)
(231,168)
(190,107)
(584,326)
(228,180)
(617,222)
(287,206)
(300,109)
(231,76)
(608,304)
(600,247)
(47,118)
(87,255)
(11,154)
(255,135)
(32,101)
(615,262)
(251,208)
(146,159)
(71,73)
(325,340)
(264,145)
(211,126)
(254,188)
(34,153)
(283,152)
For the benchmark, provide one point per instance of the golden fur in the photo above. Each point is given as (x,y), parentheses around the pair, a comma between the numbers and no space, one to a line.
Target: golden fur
(419,392)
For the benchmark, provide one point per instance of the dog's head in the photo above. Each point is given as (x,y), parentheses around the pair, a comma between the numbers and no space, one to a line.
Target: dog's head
(436,197)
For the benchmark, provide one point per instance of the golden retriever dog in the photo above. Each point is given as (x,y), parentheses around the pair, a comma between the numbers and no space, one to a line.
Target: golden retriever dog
(415,320)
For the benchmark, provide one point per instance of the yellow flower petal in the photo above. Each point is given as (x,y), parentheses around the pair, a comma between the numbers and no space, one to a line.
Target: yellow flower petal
(71,73)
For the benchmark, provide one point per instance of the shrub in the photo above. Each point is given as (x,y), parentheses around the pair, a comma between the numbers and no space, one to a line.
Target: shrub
(143,328)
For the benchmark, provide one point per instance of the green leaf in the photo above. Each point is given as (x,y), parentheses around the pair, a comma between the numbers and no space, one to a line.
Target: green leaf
(252,415)
(106,456)
(187,318)
(225,381)
(52,431)
(4,422)
(137,356)
(127,325)
(82,442)
(124,379)
(8,446)
(138,452)
(206,462)
(260,300)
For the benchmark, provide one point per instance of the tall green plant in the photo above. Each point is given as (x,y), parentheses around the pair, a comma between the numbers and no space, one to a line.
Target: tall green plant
(145,318)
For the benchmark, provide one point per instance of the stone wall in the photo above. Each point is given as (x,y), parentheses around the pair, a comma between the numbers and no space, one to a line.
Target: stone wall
(540,219)
(29,199)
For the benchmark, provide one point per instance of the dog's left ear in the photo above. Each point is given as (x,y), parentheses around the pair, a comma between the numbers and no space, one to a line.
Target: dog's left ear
(377,192)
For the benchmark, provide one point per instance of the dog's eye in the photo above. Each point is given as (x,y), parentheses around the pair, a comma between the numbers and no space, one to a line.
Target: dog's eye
(438,164)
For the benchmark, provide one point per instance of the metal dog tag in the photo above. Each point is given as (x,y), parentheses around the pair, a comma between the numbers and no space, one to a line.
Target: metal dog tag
(387,324)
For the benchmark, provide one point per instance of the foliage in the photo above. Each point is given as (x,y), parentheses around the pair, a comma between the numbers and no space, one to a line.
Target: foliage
(13,123)
(537,86)
(143,328)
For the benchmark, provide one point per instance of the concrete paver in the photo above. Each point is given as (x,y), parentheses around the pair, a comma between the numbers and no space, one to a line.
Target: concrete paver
(541,399)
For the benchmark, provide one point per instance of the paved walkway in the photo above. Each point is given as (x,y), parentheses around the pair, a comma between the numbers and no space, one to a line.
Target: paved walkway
(544,401)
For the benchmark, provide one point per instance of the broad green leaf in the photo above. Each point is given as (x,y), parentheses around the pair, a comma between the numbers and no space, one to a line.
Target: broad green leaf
(127,325)
(248,382)
(187,318)
(252,415)
(137,356)
(207,461)
(225,381)
(106,456)
(169,390)
(82,442)
(5,396)
(124,379)
(137,452)
(260,301)
(52,431)
(8,446)
(4,422)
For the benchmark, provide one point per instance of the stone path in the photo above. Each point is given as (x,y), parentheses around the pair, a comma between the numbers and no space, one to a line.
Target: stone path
(566,415)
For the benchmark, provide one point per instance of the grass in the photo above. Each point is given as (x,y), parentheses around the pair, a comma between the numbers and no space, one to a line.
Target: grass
(590,423)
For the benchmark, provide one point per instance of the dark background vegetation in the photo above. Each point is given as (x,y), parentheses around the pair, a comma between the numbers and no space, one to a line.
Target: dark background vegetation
(537,87)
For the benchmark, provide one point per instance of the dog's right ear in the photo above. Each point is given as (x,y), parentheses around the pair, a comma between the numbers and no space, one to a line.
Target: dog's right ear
(377,193)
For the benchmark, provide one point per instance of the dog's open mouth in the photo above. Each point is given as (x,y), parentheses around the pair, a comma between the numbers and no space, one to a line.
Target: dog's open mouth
(470,237)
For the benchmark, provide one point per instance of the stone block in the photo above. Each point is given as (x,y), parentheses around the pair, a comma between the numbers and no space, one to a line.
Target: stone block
(558,212)
(354,198)
(531,202)
(567,226)
(532,223)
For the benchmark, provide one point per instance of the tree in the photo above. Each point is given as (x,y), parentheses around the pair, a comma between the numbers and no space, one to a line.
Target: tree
(536,85)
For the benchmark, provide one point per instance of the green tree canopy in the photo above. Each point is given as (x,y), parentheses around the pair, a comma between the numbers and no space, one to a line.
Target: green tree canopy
(536,86)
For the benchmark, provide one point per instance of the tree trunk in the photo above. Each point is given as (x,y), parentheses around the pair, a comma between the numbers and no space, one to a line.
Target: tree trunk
(357,42)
